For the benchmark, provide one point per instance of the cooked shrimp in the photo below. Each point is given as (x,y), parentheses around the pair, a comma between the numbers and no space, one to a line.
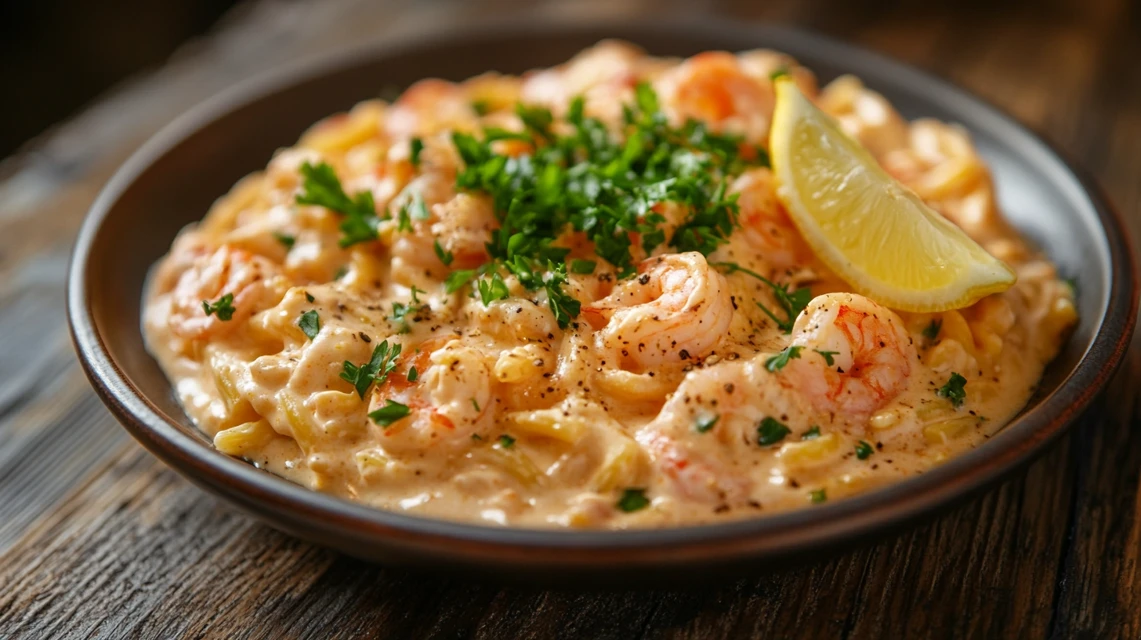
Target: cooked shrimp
(677,309)
(428,107)
(870,350)
(449,400)
(765,223)
(464,229)
(712,87)
(209,277)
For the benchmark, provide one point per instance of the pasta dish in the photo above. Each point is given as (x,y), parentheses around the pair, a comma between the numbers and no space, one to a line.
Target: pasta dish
(622,292)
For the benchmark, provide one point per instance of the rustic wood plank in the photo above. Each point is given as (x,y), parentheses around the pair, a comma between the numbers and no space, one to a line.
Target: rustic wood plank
(103,541)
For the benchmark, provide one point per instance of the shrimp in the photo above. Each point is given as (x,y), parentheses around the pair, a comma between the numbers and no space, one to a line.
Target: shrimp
(677,309)
(702,462)
(429,107)
(870,352)
(464,229)
(449,400)
(253,281)
(765,223)
(712,87)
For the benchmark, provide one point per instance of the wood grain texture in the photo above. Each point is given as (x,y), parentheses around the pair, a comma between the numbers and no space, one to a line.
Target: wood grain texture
(98,539)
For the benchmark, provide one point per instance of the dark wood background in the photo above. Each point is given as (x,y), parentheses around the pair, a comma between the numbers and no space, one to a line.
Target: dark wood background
(98,539)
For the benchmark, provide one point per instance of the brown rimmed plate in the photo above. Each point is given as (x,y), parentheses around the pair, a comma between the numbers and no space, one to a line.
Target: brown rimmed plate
(175,177)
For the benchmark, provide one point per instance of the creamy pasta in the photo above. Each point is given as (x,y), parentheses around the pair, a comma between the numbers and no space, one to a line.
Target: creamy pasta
(574,299)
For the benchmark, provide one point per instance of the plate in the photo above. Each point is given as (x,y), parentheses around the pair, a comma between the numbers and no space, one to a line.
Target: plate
(175,177)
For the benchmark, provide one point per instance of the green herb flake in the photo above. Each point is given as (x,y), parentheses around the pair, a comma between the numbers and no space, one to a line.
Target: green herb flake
(954,390)
(416,145)
(389,413)
(285,239)
(382,362)
(771,431)
(321,187)
(812,433)
(705,423)
(477,437)
(583,267)
(632,500)
(309,297)
(818,496)
(506,441)
(456,280)
(779,72)
(827,355)
(475,405)
(223,307)
(413,374)
(341,272)
(445,257)
(778,362)
(790,302)
(492,289)
(310,324)
(864,450)
(931,331)
(481,107)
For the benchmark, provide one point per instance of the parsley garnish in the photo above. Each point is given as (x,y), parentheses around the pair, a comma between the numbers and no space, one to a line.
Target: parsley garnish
(827,355)
(792,303)
(705,423)
(310,324)
(376,370)
(445,256)
(818,496)
(954,390)
(606,188)
(309,297)
(778,362)
(285,239)
(506,441)
(416,145)
(779,72)
(931,331)
(457,279)
(864,450)
(322,188)
(583,267)
(481,107)
(770,431)
(413,374)
(492,289)
(812,433)
(389,413)
(223,308)
(633,499)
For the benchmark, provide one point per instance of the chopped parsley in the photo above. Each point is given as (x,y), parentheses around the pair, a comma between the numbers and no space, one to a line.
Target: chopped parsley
(771,431)
(285,239)
(864,450)
(321,187)
(790,302)
(705,423)
(931,331)
(818,496)
(416,145)
(778,362)
(413,374)
(475,404)
(506,441)
(309,297)
(954,390)
(827,355)
(779,72)
(633,499)
(481,107)
(223,307)
(445,256)
(389,413)
(310,324)
(382,362)
(595,183)
(456,280)
(492,289)
(583,267)
(812,433)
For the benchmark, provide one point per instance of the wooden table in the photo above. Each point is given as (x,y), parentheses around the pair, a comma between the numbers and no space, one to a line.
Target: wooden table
(98,539)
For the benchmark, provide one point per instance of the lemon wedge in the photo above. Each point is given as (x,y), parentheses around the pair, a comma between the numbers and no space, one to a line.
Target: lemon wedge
(872,231)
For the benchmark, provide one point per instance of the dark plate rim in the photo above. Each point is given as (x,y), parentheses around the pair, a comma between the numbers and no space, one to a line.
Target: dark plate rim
(275,498)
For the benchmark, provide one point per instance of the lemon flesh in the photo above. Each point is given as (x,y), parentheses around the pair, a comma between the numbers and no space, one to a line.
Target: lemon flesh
(872,231)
